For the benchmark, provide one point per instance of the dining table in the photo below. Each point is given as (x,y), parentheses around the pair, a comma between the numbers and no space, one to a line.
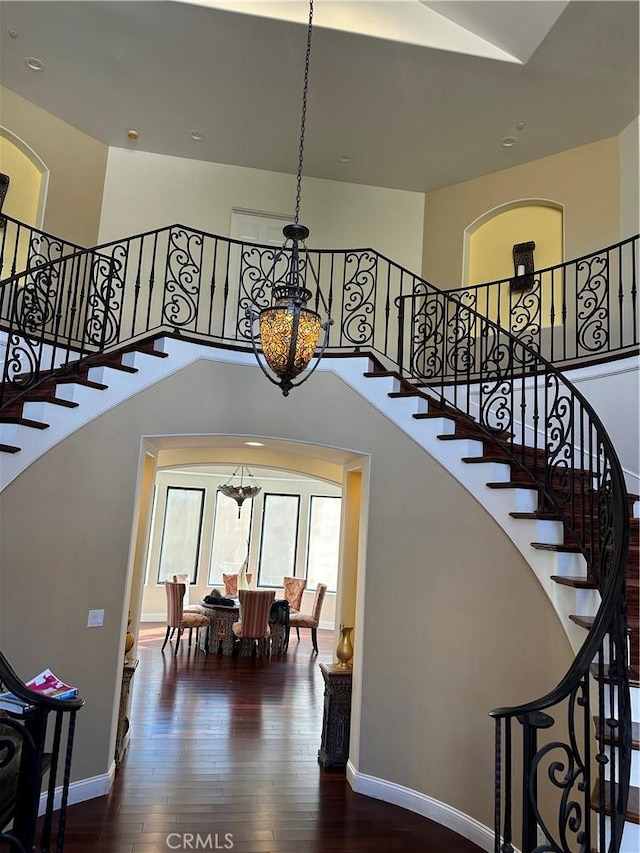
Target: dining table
(219,636)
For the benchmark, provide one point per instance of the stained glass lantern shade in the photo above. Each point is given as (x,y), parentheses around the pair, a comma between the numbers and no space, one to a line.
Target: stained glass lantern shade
(289,335)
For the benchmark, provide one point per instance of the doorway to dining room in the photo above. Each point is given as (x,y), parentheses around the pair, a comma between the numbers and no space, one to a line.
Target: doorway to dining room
(325,487)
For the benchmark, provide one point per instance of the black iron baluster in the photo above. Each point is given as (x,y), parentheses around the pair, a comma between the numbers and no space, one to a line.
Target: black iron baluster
(620,299)
(152,280)
(136,287)
(552,315)
(212,287)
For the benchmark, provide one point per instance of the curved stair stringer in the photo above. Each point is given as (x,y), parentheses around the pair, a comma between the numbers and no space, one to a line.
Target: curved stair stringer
(498,502)
(46,423)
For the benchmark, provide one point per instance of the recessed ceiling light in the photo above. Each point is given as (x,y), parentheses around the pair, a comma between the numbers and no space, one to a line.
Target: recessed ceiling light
(34,64)
(345,158)
(254,444)
(132,133)
(521,125)
(508,142)
(13,34)
(197,135)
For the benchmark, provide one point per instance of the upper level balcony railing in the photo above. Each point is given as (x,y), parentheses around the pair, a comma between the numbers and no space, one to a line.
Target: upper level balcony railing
(582,310)
(185,280)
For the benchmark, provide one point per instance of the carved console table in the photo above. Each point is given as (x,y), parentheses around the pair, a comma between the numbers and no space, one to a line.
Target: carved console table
(336,723)
(128,671)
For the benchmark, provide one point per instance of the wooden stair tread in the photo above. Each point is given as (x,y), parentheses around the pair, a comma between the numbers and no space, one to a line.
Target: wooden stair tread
(9,448)
(49,398)
(540,515)
(12,419)
(586,621)
(79,380)
(632,813)
(373,374)
(575,581)
(563,547)
(634,674)
(635,733)
(512,485)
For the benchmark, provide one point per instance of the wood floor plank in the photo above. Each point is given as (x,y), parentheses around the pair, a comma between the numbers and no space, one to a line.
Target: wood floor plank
(226,748)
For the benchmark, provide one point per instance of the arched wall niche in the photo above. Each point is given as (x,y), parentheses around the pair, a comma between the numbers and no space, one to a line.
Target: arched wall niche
(489,239)
(27,196)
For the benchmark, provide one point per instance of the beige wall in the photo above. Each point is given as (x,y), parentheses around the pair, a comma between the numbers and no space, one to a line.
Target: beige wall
(76,163)
(449,629)
(584,180)
(145,191)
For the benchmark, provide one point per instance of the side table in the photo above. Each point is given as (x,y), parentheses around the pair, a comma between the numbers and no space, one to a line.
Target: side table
(128,671)
(336,722)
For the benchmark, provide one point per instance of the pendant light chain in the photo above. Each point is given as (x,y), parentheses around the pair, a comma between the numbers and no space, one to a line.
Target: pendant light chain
(304,113)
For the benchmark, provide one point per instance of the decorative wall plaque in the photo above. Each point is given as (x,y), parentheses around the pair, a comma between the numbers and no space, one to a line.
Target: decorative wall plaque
(523,267)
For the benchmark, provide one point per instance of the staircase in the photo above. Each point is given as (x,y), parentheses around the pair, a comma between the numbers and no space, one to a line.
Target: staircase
(491,450)
(490,408)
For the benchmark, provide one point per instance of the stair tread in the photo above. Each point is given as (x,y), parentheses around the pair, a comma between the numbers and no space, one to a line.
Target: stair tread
(541,515)
(512,485)
(9,448)
(586,621)
(563,547)
(49,398)
(28,422)
(79,380)
(632,813)
(634,675)
(635,733)
(576,581)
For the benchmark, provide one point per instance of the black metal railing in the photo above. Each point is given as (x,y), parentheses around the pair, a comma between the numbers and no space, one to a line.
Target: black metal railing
(30,749)
(181,281)
(569,767)
(23,247)
(581,310)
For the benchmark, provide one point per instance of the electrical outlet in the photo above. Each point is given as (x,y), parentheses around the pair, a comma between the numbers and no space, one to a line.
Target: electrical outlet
(96,619)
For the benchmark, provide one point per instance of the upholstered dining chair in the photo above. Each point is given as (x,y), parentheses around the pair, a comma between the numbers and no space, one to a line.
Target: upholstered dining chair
(309,620)
(293,589)
(185,578)
(230,585)
(255,607)
(178,618)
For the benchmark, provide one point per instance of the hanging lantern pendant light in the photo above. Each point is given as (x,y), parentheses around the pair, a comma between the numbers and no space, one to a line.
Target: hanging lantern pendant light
(289,332)
(241,492)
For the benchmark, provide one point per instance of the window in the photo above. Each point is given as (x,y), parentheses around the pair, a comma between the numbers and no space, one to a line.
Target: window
(230,538)
(181,532)
(324,541)
(279,538)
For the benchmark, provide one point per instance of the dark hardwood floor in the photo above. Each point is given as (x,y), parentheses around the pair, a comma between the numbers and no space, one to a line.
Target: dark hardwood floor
(223,752)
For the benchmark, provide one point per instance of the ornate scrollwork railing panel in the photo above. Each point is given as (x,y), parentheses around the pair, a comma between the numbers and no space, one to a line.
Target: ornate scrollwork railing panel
(577,310)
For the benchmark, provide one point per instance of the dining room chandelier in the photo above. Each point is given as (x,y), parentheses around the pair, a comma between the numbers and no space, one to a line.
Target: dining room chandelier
(240,491)
(288,332)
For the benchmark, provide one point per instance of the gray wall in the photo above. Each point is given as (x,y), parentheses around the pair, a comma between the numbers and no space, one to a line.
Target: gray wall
(455,622)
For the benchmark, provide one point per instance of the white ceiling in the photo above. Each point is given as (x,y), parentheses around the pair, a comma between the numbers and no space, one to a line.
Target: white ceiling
(419,102)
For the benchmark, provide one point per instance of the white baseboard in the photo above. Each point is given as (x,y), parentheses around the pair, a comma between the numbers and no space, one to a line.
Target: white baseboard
(83,789)
(398,795)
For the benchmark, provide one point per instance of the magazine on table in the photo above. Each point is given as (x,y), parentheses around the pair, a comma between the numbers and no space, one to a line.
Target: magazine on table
(44,684)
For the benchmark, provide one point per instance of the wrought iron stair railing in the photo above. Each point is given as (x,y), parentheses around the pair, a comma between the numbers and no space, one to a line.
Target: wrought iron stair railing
(186,282)
(568,770)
